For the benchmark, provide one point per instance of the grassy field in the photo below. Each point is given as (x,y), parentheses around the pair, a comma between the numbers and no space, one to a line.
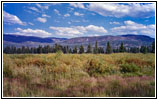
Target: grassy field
(79,75)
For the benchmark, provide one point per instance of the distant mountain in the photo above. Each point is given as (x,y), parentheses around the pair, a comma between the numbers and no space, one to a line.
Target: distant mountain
(115,41)
(128,40)
(22,39)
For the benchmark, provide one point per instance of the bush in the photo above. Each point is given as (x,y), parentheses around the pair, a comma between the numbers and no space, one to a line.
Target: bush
(58,54)
(95,67)
(7,72)
(129,68)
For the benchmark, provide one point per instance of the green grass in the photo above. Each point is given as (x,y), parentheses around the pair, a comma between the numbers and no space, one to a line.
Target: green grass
(79,75)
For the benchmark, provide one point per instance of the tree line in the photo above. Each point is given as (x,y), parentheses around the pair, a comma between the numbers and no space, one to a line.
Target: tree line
(66,49)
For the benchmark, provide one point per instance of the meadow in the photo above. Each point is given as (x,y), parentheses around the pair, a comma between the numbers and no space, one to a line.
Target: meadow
(79,75)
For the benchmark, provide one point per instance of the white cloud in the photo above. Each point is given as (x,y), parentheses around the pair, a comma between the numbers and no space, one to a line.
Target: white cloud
(67,15)
(75,21)
(11,19)
(55,4)
(34,9)
(84,20)
(57,12)
(93,14)
(42,7)
(121,10)
(78,30)
(78,14)
(31,32)
(30,23)
(42,20)
(114,23)
(70,9)
(44,15)
(77,5)
(131,27)
(69,22)
(56,21)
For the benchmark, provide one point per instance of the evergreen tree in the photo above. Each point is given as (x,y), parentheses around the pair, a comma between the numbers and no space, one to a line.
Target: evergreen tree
(108,48)
(70,50)
(143,49)
(23,49)
(81,49)
(122,49)
(153,47)
(18,50)
(32,50)
(95,51)
(134,50)
(27,50)
(75,49)
(39,49)
(149,49)
(89,49)
(7,50)
(57,48)
(64,50)
(67,49)
(100,50)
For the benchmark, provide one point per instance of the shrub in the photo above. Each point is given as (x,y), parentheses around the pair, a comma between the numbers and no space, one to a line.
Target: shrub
(58,54)
(7,72)
(95,67)
(129,68)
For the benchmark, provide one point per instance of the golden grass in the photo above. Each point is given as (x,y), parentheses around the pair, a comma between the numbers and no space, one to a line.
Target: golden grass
(78,75)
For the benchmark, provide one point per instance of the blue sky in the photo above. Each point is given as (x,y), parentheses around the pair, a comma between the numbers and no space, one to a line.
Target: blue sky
(78,19)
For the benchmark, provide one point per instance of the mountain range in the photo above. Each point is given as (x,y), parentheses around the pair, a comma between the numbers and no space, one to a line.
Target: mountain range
(129,40)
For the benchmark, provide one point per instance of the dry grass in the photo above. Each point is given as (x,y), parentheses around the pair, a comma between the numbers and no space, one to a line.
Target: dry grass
(81,75)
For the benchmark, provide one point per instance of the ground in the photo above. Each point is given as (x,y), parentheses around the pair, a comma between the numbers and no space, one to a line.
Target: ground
(79,75)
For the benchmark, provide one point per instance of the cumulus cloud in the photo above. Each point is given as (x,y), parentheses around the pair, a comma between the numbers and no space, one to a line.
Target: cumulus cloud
(44,15)
(114,23)
(131,27)
(122,10)
(42,20)
(69,22)
(11,19)
(34,9)
(42,7)
(31,32)
(78,14)
(57,12)
(77,5)
(78,30)
(75,21)
(30,23)
(67,15)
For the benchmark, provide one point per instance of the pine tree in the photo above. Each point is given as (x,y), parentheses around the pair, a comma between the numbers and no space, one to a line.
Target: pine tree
(122,49)
(18,50)
(153,47)
(23,49)
(143,49)
(39,49)
(100,50)
(70,50)
(108,48)
(57,48)
(7,50)
(89,49)
(95,51)
(67,49)
(75,49)
(81,49)
(64,50)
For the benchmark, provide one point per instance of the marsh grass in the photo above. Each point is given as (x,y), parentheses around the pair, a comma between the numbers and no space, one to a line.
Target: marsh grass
(79,75)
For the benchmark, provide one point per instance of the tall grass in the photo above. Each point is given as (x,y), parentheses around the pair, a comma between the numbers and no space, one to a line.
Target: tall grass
(79,75)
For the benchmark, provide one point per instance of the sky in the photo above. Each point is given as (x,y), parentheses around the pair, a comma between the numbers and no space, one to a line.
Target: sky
(69,20)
